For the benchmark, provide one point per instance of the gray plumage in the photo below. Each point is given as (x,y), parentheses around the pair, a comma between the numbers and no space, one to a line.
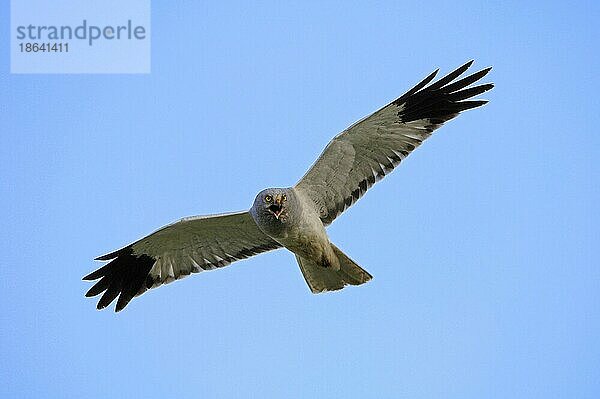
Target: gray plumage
(294,217)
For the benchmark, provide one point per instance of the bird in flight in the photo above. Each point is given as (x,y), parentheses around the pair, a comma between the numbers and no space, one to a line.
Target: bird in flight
(294,217)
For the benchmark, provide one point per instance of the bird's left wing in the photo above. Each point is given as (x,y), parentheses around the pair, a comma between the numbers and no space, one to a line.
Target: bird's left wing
(190,245)
(371,148)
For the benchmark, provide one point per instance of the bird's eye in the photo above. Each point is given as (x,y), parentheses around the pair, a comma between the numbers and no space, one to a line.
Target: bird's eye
(284,197)
(268,198)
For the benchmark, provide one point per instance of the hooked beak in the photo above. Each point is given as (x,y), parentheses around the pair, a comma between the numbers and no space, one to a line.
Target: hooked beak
(276,208)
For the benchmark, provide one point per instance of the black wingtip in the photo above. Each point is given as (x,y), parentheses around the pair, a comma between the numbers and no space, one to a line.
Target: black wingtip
(450,76)
(417,87)
(92,292)
(120,305)
(109,295)
(106,257)
(484,71)
(122,277)
(425,81)
(128,250)
(96,274)
(467,105)
(443,100)
(487,87)
(99,287)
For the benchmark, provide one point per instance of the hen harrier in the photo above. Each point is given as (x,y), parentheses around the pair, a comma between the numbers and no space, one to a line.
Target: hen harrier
(294,217)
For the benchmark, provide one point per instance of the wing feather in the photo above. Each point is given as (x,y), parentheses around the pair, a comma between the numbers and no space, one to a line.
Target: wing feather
(371,148)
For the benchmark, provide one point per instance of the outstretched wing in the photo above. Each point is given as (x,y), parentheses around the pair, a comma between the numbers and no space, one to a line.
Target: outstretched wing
(190,245)
(372,147)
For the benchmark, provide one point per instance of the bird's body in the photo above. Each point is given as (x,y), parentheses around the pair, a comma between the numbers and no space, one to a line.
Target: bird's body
(295,217)
(298,228)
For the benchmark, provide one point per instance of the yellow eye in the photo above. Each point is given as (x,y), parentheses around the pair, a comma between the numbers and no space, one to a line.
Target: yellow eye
(284,197)
(268,198)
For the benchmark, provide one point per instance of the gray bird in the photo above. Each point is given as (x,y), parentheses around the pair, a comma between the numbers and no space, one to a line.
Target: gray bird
(294,217)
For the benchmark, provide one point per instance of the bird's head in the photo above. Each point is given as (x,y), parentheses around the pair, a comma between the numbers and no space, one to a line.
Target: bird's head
(273,201)
(271,207)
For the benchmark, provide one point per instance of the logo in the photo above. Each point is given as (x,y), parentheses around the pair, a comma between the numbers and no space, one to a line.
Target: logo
(80,36)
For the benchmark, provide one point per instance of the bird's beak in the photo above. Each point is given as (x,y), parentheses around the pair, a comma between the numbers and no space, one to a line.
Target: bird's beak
(276,208)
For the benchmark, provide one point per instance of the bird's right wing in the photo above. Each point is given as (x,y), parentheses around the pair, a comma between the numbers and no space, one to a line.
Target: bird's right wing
(190,245)
(372,147)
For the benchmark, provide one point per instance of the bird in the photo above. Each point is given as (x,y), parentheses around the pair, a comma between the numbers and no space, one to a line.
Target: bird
(295,217)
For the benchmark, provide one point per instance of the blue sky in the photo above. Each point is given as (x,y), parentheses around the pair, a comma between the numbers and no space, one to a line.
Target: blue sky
(482,243)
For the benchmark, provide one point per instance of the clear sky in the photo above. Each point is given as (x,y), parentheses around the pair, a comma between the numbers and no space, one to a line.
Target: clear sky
(483,243)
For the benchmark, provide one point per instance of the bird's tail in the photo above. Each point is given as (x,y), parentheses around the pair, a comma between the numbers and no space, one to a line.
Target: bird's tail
(321,279)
